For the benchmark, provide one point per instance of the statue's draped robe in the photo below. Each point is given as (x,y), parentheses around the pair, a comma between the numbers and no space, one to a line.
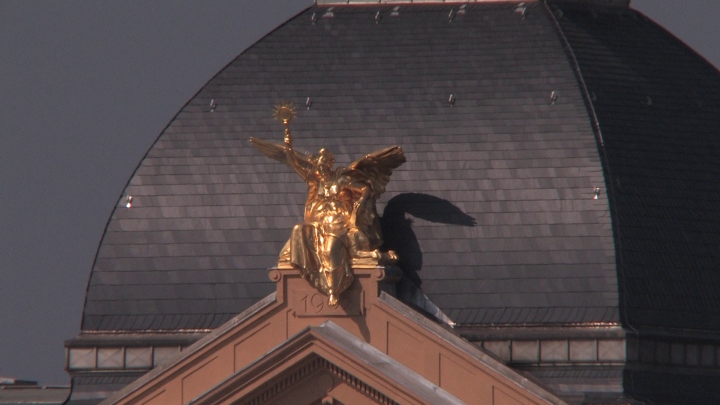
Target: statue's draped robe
(319,246)
(338,226)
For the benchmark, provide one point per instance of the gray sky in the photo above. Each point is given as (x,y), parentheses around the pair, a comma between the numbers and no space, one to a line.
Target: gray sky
(85,88)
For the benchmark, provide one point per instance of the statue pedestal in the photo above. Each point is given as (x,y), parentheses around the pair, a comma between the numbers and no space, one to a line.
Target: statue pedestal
(304,300)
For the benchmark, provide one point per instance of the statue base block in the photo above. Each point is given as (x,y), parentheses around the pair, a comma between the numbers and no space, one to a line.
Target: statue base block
(304,300)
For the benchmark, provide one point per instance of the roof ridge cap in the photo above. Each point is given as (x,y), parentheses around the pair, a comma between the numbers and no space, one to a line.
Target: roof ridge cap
(406,2)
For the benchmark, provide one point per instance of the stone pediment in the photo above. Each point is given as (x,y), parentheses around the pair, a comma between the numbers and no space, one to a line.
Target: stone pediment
(326,364)
(369,343)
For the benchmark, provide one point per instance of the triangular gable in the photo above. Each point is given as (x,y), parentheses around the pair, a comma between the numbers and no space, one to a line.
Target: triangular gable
(375,319)
(326,362)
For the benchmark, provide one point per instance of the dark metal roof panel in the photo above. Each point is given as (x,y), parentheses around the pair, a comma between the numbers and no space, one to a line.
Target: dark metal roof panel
(494,212)
(658,104)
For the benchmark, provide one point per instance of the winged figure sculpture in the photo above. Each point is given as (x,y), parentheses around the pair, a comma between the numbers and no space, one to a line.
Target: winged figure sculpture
(341,227)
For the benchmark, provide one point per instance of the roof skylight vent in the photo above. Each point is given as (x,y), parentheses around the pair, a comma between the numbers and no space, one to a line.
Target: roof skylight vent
(128,201)
(213,105)
(461,11)
(596,193)
(308,103)
(395,12)
(313,19)
(329,13)
(378,17)
(521,9)
(451,100)
(451,15)
(553,97)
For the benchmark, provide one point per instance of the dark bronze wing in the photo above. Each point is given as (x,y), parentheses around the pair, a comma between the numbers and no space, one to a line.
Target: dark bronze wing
(277,152)
(376,168)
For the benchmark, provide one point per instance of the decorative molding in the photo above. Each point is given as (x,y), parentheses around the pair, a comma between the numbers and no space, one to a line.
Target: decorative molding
(359,385)
(557,351)
(287,382)
(656,352)
(663,352)
(318,364)
(117,357)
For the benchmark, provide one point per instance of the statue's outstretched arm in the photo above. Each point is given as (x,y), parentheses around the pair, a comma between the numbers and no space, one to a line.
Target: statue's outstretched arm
(293,161)
(300,162)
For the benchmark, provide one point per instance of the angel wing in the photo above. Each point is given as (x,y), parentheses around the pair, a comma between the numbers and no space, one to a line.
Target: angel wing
(278,152)
(376,168)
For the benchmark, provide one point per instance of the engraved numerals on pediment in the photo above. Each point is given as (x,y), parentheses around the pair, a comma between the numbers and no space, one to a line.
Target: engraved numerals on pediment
(307,302)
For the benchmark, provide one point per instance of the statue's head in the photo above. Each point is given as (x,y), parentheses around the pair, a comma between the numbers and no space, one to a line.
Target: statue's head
(324,162)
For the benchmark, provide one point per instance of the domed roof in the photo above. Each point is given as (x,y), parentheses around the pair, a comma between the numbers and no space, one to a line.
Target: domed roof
(562,169)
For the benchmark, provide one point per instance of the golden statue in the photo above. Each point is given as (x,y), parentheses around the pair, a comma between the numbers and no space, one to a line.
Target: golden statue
(341,227)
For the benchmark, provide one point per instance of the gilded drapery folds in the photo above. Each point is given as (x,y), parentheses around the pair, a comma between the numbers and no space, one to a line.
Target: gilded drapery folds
(341,227)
